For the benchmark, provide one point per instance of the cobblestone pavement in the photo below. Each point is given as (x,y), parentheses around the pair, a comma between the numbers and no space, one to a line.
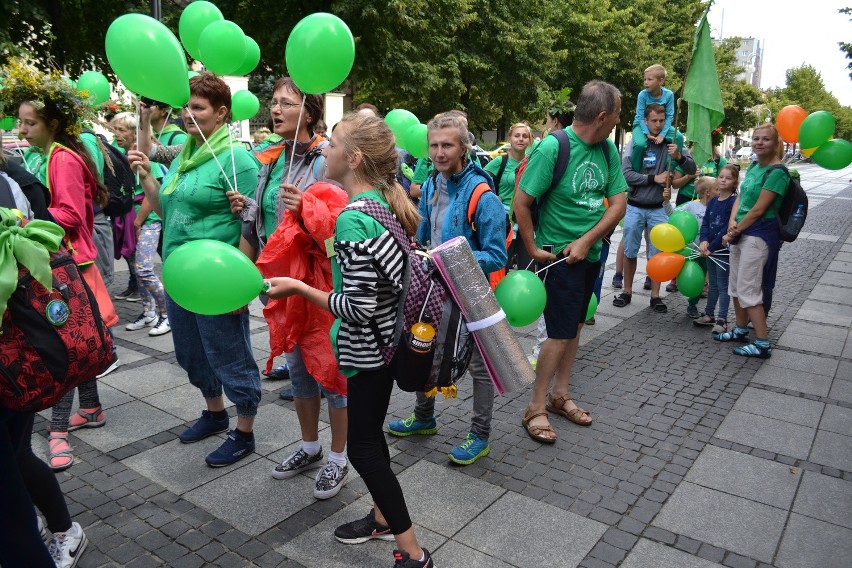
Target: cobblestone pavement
(696,457)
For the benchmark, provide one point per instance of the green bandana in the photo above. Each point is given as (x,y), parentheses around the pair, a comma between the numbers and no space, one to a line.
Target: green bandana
(216,144)
(30,246)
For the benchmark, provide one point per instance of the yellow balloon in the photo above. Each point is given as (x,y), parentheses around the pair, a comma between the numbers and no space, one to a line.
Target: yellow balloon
(667,238)
(808,151)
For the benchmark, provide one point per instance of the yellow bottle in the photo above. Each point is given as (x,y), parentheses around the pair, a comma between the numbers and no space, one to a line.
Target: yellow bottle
(422,335)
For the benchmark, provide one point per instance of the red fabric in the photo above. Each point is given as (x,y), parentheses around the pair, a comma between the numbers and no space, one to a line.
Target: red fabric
(72,192)
(298,251)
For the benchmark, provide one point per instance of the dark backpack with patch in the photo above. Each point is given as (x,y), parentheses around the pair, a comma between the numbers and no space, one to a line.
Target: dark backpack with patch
(424,293)
(118,178)
(51,340)
(795,196)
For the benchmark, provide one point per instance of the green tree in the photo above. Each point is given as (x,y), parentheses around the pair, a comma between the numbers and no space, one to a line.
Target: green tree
(805,87)
(846,47)
(739,97)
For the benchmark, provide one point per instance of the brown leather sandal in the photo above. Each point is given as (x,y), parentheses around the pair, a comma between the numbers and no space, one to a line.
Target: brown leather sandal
(536,432)
(575,415)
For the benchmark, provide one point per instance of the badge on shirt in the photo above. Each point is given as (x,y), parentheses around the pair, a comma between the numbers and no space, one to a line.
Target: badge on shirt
(329,247)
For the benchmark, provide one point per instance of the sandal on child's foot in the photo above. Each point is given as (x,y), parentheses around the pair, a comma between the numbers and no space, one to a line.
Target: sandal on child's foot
(658,306)
(61,455)
(754,350)
(85,419)
(704,321)
(732,335)
(622,300)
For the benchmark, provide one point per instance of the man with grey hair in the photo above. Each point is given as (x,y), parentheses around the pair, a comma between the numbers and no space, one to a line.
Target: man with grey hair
(572,221)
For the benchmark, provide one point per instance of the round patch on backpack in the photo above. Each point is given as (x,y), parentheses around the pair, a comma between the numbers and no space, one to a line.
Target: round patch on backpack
(57,312)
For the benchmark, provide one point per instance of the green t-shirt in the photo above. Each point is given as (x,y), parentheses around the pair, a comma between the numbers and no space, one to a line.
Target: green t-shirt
(689,189)
(198,207)
(91,142)
(270,195)
(710,169)
(753,184)
(171,135)
(506,189)
(576,205)
(158,174)
(422,171)
(352,225)
(33,161)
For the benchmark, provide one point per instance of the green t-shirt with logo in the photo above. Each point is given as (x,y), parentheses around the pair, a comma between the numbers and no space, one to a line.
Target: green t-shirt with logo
(710,169)
(576,205)
(506,187)
(33,160)
(753,184)
(198,207)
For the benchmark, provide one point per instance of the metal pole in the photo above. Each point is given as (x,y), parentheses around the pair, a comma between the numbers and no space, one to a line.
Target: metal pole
(156,10)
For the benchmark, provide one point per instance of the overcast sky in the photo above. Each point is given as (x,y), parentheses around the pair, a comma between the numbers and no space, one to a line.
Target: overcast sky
(792,33)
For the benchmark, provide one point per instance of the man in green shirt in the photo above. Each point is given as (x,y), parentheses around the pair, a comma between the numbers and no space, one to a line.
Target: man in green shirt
(572,221)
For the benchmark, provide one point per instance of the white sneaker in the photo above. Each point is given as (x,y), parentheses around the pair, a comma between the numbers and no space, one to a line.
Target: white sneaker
(66,548)
(42,531)
(145,319)
(112,367)
(161,327)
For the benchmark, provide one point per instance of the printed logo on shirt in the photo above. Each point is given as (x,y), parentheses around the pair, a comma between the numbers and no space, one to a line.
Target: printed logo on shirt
(649,160)
(587,184)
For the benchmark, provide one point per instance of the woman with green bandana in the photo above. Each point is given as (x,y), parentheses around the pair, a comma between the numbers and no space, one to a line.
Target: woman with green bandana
(192,201)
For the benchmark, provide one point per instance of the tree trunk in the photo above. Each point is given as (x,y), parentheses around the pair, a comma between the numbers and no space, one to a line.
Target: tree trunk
(54,10)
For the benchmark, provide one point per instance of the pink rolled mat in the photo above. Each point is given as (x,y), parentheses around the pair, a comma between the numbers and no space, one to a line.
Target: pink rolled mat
(500,349)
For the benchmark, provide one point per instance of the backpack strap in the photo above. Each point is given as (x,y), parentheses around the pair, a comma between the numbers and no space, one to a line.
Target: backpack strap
(562,157)
(473,202)
(385,218)
(503,162)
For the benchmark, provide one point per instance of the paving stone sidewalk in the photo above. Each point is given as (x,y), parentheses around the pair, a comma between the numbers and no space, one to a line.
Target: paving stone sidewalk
(696,457)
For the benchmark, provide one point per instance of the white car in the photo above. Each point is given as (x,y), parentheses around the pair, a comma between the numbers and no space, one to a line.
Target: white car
(744,152)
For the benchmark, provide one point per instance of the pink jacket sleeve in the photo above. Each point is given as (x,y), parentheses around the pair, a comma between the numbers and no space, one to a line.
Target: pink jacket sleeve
(67,179)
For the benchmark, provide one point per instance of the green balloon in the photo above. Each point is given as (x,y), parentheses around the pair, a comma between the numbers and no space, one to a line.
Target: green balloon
(193,20)
(211,277)
(593,307)
(522,296)
(686,223)
(7,123)
(690,281)
(132,35)
(816,129)
(223,47)
(96,84)
(252,58)
(320,52)
(244,105)
(834,155)
(416,141)
(399,120)
(685,252)
(71,82)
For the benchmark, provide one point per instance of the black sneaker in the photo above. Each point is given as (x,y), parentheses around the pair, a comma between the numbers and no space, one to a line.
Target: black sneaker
(128,292)
(236,447)
(296,462)
(205,427)
(362,530)
(403,560)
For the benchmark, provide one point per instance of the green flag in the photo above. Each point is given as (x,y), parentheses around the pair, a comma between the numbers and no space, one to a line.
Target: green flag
(703,95)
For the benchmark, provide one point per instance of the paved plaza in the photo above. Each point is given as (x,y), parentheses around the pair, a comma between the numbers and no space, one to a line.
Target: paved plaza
(697,458)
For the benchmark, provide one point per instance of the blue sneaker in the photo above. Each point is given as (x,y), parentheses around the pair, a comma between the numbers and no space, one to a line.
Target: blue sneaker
(286,393)
(280,373)
(231,451)
(470,450)
(204,428)
(411,425)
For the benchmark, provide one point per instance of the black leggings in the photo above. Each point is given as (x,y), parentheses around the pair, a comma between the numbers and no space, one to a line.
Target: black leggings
(367,407)
(42,484)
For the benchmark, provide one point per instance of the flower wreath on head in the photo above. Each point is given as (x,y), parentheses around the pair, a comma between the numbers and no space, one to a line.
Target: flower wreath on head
(22,82)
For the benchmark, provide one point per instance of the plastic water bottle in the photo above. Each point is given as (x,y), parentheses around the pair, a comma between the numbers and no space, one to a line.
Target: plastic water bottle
(797,219)
(422,335)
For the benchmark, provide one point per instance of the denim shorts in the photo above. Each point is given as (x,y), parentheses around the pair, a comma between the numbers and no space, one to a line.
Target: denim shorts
(635,222)
(304,385)
(569,288)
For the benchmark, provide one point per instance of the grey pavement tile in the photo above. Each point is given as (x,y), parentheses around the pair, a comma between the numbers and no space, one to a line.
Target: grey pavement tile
(802,362)
(261,341)
(127,356)
(847,257)
(841,390)
(164,343)
(469,497)
(840,266)
(801,381)
(844,370)
(821,237)
(825,498)
(809,542)
(733,523)
(837,419)
(127,424)
(746,476)
(650,554)
(780,406)
(507,530)
(825,345)
(811,329)
(834,450)
(304,548)
(767,434)
(454,554)
(276,427)
(180,467)
(184,401)
(847,351)
(836,279)
(250,499)
(148,379)
(821,312)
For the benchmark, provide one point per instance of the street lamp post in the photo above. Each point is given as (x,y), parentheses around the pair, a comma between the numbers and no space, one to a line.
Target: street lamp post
(156,10)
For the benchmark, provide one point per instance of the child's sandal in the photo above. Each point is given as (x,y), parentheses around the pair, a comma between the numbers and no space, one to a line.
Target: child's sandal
(754,350)
(61,455)
(731,335)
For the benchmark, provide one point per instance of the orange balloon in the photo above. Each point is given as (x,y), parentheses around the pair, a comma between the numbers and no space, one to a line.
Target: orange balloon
(664,266)
(789,120)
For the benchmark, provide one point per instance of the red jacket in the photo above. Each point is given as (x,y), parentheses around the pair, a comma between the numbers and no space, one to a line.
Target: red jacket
(72,192)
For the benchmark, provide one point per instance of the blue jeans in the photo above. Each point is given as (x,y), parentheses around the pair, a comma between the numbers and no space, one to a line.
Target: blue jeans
(717,289)
(635,221)
(215,352)
(305,385)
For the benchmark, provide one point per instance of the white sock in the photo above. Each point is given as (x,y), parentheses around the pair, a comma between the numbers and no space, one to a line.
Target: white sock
(311,448)
(337,458)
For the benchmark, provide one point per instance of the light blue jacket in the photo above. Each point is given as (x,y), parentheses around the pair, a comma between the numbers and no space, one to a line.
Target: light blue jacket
(489,241)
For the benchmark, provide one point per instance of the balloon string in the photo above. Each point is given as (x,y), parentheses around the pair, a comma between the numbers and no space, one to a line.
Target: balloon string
(165,122)
(296,137)
(203,137)
(233,160)
(138,113)
(551,265)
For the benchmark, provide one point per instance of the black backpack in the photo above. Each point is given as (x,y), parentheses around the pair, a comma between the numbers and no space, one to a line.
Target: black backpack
(118,178)
(793,197)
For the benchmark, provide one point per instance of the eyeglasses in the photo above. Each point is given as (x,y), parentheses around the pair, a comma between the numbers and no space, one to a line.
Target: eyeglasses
(285,105)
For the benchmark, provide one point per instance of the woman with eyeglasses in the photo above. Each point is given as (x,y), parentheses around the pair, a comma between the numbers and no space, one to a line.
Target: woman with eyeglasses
(215,351)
